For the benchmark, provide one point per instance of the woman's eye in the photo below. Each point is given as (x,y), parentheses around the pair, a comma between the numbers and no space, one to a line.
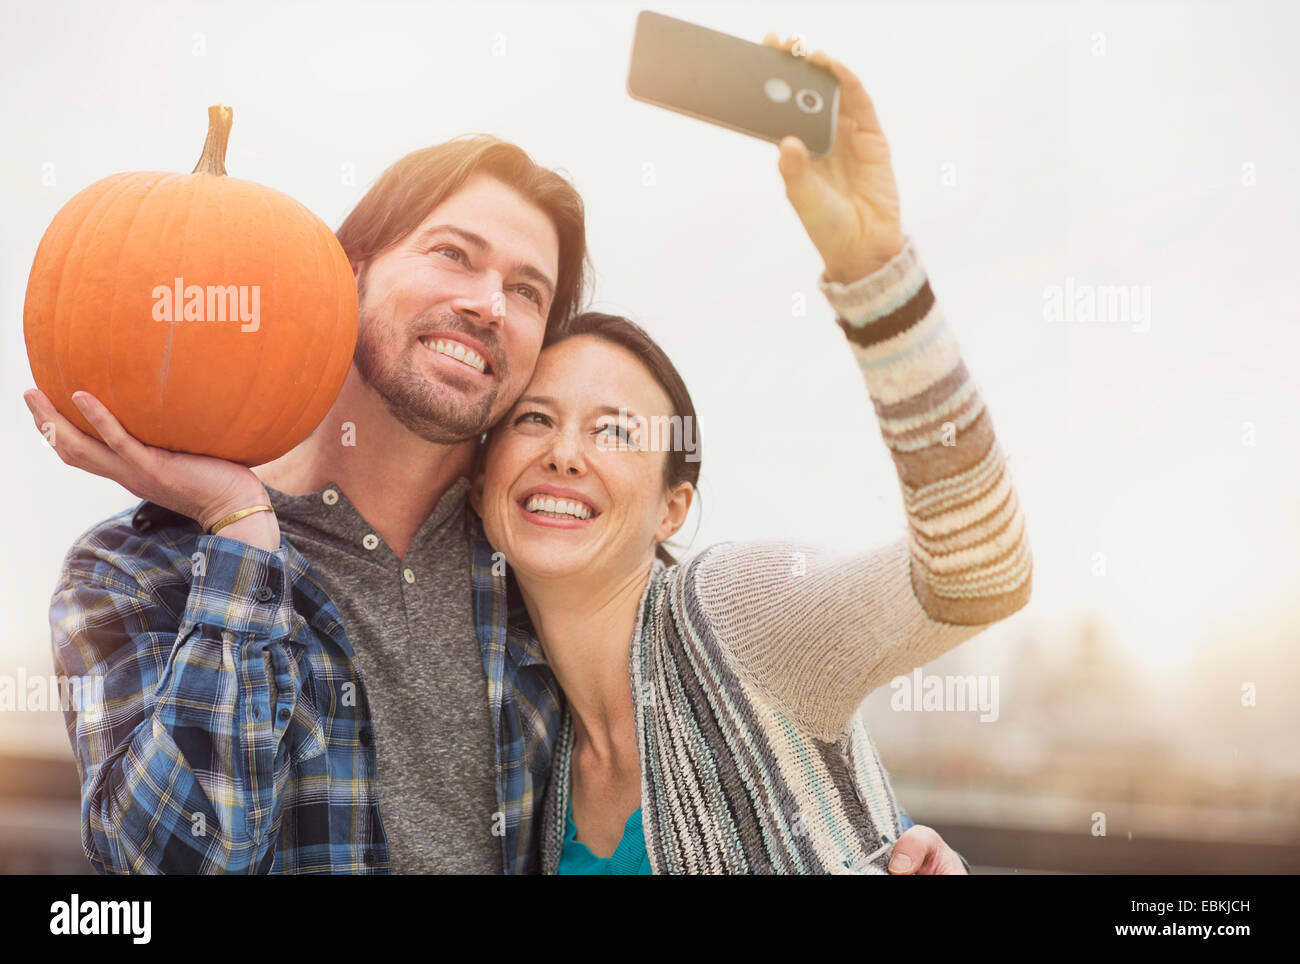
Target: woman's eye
(613,428)
(535,417)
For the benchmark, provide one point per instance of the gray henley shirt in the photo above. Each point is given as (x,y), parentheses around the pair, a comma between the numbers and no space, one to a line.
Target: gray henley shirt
(411,625)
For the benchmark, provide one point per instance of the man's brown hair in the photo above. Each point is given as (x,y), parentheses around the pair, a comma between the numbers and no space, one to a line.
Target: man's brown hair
(414,185)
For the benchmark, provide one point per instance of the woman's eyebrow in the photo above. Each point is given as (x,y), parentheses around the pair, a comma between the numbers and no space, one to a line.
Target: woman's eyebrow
(601,410)
(536,400)
(611,410)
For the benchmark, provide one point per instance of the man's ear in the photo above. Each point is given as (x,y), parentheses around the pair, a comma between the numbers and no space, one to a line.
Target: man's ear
(679,505)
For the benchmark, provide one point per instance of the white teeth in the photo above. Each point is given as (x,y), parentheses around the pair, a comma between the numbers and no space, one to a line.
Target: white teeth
(456,350)
(558,507)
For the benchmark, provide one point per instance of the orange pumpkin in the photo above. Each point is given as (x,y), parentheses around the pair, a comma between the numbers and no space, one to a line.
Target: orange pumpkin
(210,314)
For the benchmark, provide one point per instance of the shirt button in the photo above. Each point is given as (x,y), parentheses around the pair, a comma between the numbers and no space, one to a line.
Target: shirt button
(364,737)
(370,540)
(264,594)
(329,496)
(284,715)
(408,575)
(371,858)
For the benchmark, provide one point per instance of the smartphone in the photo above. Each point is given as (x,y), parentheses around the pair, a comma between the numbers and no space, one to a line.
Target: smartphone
(752,88)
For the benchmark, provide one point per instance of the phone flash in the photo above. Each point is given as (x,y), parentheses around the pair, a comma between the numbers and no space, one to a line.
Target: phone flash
(777,90)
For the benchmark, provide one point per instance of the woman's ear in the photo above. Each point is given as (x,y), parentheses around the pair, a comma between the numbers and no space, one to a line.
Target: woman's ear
(679,505)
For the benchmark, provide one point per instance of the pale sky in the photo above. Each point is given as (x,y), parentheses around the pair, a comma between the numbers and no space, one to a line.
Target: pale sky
(1035,145)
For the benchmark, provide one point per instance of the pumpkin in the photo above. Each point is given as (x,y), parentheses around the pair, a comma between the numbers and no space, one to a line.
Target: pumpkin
(210,314)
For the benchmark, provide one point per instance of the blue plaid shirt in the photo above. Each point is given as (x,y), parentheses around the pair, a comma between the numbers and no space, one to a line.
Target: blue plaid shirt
(220,744)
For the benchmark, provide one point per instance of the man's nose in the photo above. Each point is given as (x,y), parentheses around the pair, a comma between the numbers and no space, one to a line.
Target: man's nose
(482,299)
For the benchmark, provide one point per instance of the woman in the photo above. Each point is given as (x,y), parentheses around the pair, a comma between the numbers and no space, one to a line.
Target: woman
(710,706)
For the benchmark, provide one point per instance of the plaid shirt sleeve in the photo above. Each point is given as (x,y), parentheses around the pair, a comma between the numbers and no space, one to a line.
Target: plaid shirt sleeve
(180,761)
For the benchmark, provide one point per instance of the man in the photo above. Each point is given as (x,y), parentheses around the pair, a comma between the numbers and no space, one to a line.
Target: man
(268,686)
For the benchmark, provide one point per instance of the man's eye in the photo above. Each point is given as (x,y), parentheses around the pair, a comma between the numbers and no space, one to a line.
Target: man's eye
(530,292)
(460,255)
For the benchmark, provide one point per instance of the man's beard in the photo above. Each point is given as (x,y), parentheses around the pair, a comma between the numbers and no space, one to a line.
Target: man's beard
(433,411)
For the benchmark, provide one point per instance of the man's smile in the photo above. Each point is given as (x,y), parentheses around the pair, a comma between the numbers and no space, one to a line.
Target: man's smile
(457,350)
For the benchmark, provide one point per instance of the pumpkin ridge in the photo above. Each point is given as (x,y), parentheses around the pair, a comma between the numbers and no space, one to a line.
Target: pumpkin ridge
(141,198)
(59,363)
(41,301)
(272,213)
(183,182)
(236,419)
(82,244)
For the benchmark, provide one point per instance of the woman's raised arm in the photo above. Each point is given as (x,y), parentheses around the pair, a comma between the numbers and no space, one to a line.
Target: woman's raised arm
(819,630)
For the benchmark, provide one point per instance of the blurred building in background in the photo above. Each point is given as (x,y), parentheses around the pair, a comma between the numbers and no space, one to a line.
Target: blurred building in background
(1093,767)
(1083,743)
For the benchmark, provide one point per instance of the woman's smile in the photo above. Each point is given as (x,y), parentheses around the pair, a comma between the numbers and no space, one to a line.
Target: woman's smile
(557,508)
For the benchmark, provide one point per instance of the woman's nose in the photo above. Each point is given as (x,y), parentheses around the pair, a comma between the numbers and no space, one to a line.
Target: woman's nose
(565,466)
(565,457)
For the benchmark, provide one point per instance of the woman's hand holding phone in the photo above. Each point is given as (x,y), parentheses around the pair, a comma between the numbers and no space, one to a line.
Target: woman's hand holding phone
(847,200)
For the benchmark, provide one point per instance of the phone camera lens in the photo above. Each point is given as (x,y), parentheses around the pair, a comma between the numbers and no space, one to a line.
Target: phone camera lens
(809,101)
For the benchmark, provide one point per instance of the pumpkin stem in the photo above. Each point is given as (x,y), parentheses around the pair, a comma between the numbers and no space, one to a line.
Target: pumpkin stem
(213,158)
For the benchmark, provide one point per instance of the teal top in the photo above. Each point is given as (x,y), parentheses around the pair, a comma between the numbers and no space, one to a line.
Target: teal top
(629,857)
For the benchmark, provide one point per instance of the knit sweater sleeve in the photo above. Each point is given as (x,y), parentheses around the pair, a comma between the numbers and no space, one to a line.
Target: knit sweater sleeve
(819,630)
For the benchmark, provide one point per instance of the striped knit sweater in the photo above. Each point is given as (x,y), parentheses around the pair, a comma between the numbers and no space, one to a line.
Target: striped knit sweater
(748,662)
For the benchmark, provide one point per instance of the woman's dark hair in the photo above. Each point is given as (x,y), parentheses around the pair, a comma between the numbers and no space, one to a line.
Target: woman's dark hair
(683,461)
